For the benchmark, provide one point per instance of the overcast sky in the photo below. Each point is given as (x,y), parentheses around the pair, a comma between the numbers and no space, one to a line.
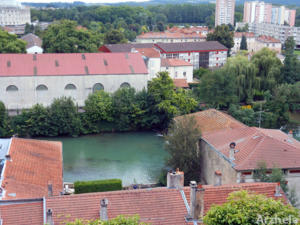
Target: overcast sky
(88,1)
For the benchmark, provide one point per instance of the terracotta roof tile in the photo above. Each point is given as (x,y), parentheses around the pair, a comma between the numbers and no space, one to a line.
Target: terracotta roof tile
(267,39)
(65,64)
(124,47)
(181,83)
(174,62)
(33,164)
(212,120)
(246,34)
(149,52)
(256,145)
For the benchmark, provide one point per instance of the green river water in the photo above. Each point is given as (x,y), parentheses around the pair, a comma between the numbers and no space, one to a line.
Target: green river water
(132,157)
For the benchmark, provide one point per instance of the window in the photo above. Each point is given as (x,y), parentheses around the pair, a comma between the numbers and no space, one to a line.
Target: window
(98,87)
(41,87)
(176,73)
(125,85)
(12,88)
(70,87)
(184,73)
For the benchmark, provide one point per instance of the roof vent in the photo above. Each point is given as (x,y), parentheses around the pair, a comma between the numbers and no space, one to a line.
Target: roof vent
(86,70)
(34,57)
(83,56)
(35,70)
(131,68)
(56,63)
(8,63)
(105,62)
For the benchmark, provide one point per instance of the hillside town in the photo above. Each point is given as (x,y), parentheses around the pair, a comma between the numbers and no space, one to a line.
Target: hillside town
(149,114)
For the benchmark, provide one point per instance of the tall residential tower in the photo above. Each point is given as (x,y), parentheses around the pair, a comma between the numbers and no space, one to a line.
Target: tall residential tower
(224,12)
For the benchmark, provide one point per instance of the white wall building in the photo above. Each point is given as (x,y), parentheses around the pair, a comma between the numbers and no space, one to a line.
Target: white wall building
(26,79)
(34,44)
(251,41)
(12,13)
(224,12)
(178,69)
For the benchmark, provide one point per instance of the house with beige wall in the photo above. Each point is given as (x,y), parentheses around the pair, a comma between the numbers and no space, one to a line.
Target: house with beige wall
(250,38)
(178,69)
(264,41)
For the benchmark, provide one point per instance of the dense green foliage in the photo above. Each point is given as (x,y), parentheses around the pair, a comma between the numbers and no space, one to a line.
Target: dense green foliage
(119,220)
(66,37)
(97,186)
(222,34)
(9,43)
(243,208)
(182,146)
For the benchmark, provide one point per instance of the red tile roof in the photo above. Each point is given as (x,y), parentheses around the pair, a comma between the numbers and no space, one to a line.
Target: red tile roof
(71,64)
(124,47)
(181,83)
(149,52)
(212,120)
(155,206)
(16,213)
(174,62)
(246,34)
(256,145)
(33,164)
(267,39)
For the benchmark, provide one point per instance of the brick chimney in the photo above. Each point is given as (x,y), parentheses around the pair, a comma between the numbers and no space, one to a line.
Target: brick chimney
(232,151)
(175,179)
(218,178)
(49,217)
(197,201)
(103,209)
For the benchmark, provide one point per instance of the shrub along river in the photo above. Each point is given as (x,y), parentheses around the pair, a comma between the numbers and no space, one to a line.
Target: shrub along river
(135,157)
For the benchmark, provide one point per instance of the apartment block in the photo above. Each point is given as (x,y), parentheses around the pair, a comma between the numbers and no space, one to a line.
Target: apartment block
(224,12)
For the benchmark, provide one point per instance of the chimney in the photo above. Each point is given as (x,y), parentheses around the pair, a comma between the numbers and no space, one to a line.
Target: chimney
(49,217)
(175,179)
(232,151)
(197,201)
(277,190)
(103,209)
(218,178)
(50,190)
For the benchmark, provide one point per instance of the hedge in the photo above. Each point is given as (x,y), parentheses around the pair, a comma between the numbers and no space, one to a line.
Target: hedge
(97,186)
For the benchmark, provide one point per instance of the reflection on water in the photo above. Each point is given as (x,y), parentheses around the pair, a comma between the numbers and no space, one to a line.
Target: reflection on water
(128,156)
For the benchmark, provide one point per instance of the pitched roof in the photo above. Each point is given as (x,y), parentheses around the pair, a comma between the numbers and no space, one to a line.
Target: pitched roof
(124,47)
(32,40)
(267,39)
(32,165)
(212,120)
(191,46)
(149,52)
(181,83)
(255,145)
(71,64)
(155,206)
(174,62)
(246,34)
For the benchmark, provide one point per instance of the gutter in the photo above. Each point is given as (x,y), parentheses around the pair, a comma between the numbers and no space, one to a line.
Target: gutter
(44,210)
(3,170)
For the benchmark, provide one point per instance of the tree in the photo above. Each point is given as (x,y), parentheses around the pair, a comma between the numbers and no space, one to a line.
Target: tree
(119,220)
(4,123)
(244,208)
(66,37)
(244,43)
(9,43)
(114,37)
(29,28)
(183,148)
(223,35)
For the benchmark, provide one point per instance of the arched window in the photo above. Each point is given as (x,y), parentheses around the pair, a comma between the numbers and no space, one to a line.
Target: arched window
(125,85)
(70,87)
(98,87)
(12,88)
(41,87)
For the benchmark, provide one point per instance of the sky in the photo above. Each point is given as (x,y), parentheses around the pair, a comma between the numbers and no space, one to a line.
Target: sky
(87,1)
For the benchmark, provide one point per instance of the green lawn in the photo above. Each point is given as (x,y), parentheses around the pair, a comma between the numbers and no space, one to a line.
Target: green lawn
(297,52)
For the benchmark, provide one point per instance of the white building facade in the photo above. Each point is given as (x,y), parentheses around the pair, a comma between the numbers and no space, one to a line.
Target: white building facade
(13,13)
(224,12)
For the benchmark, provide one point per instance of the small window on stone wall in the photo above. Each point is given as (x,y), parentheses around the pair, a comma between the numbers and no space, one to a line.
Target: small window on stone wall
(42,87)
(11,88)
(70,87)
(125,85)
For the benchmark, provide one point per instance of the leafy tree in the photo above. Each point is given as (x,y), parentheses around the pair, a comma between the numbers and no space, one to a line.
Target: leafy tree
(198,73)
(66,37)
(244,43)
(4,123)
(9,43)
(245,208)
(223,35)
(29,28)
(160,26)
(182,146)
(268,68)
(119,220)
(114,37)
(218,89)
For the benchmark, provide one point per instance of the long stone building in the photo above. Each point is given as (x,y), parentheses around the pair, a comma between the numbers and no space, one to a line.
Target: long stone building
(26,79)
(13,13)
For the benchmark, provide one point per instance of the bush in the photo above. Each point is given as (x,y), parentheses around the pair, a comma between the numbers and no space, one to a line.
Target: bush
(97,186)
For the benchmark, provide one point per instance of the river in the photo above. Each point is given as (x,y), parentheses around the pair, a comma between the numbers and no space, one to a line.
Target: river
(135,157)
